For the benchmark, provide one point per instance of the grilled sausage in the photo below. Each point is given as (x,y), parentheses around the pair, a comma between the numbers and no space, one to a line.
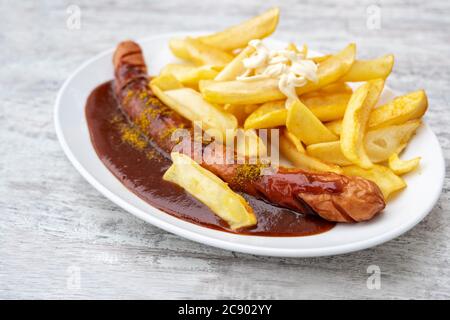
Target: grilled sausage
(332,196)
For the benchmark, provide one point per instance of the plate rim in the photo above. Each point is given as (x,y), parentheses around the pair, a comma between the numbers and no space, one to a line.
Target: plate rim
(205,239)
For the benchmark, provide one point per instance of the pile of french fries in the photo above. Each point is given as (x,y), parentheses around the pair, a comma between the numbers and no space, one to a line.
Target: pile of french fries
(330,127)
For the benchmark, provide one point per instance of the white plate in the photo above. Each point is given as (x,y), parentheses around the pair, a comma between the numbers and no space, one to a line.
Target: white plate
(400,215)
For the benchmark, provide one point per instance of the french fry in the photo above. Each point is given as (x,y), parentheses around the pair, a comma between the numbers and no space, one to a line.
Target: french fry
(264,90)
(335,126)
(166,82)
(331,69)
(211,116)
(190,104)
(328,151)
(398,111)
(235,68)
(238,111)
(178,48)
(190,75)
(337,87)
(294,140)
(320,59)
(241,92)
(327,107)
(273,114)
(304,125)
(200,53)
(387,181)
(400,167)
(355,122)
(238,36)
(401,109)
(379,144)
(383,142)
(269,115)
(249,108)
(249,144)
(365,70)
(210,190)
(303,161)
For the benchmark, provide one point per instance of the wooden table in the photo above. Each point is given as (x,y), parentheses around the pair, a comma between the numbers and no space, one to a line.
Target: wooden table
(59,238)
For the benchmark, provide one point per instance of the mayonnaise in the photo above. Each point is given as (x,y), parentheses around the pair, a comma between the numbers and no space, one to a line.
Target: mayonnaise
(291,68)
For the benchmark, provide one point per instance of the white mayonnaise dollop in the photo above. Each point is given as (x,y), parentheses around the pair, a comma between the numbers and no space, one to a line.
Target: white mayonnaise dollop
(291,68)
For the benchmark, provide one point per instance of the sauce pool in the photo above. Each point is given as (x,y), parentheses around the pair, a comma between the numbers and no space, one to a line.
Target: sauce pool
(141,172)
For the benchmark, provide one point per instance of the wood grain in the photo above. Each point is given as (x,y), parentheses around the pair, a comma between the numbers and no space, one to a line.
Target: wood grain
(53,224)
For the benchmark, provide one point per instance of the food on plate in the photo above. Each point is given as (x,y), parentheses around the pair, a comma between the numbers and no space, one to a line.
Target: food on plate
(293,150)
(331,196)
(335,126)
(238,36)
(249,144)
(327,106)
(269,115)
(401,109)
(387,180)
(190,104)
(200,53)
(263,89)
(365,70)
(400,167)
(306,126)
(201,139)
(379,144)
(235,68)
(210,190)
(355,122)
(190,75)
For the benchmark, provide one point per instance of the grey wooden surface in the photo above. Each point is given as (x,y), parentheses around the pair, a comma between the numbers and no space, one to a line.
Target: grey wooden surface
(59,238)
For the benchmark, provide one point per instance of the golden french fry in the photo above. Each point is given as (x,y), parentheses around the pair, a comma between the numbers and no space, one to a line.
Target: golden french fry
(269,115)
(327,107)
(365,70)
(264,90)
(210,190)
(328,151)
(331,69)
(400,167)
(241,92)
(294,140)
(249,108)
(235,68)
(211,116)
(304,124)
(355,122)
(166,82)
(191,105)
(401,109)
(337,87)
(335,126)
(302,160)
(383,142)
(238,111)
(238,36)
(249,144)
(201,53)
(387,181)
(320,59)
(190,75)
(178,48)
(379,144)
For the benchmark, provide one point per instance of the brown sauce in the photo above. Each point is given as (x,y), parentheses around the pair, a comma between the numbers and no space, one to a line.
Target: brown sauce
(141,172)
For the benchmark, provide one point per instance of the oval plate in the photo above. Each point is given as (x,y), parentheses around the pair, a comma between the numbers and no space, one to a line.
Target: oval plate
(403,212)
